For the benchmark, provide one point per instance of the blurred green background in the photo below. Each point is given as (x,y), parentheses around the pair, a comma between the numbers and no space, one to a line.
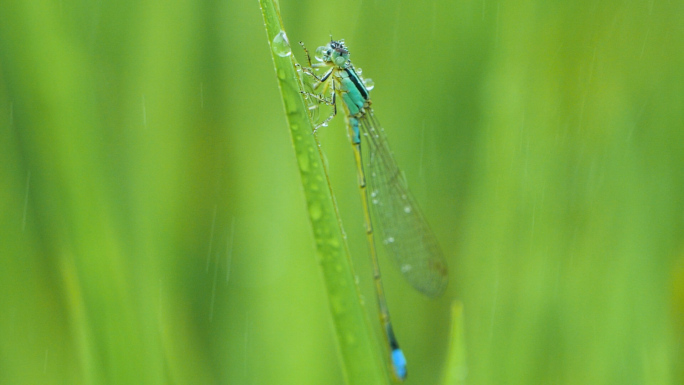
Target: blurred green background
(153,227)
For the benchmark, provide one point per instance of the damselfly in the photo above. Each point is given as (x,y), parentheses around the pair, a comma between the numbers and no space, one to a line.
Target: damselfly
(402,227)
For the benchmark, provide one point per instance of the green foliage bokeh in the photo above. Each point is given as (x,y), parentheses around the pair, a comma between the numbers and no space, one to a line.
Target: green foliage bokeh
(153,228)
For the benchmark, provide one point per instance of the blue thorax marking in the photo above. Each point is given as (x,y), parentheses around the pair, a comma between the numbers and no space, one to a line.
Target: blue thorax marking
(357,82)
(355,97)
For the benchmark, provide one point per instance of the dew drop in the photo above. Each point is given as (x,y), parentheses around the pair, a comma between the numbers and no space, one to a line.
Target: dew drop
(407,209)
(315,211)
(369,83)
(281,46)
(320,53)
(304,164)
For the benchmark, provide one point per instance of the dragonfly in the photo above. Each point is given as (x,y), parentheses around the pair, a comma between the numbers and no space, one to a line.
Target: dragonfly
(401,225)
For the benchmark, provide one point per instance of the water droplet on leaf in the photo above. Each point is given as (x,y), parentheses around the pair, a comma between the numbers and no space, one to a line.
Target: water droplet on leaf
(281,46)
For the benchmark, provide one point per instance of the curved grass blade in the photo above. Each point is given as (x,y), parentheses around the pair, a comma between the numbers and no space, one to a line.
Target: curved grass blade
(361,352)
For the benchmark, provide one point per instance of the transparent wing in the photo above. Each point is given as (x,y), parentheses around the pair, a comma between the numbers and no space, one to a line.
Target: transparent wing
(401,225)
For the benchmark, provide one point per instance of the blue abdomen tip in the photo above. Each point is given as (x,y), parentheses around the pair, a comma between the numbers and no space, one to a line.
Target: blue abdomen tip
(399,363)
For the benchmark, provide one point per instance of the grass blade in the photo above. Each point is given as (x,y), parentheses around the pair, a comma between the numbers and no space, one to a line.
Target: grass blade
(361,352)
